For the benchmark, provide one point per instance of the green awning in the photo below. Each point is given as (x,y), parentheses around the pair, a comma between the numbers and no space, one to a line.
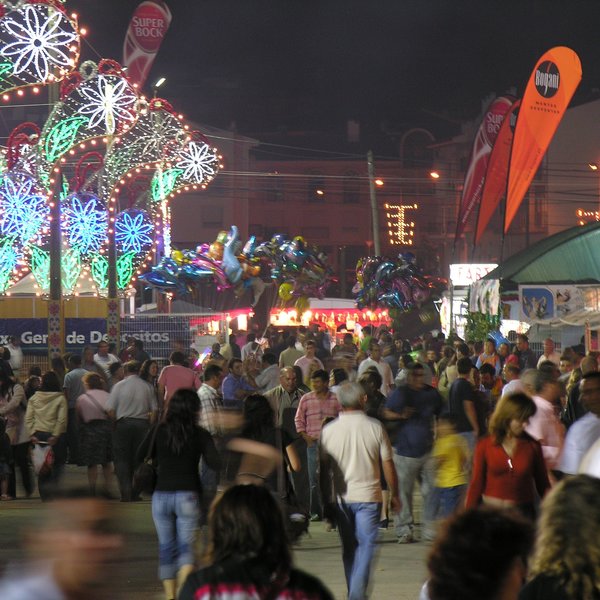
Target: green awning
(570,256)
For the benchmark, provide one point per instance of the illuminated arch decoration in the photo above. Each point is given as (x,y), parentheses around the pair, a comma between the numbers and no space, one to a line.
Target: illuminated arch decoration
(39,44)
(96,102)
(24,209)
(85,222)
(156,138)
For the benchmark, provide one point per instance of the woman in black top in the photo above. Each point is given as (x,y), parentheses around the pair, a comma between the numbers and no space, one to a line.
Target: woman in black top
(260,427)
(179,445)
(249,554)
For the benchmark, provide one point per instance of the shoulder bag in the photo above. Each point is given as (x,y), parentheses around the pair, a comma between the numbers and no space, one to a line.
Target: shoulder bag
(144,477)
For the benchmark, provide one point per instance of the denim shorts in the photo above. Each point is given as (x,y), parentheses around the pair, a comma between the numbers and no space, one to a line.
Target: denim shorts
(176,518)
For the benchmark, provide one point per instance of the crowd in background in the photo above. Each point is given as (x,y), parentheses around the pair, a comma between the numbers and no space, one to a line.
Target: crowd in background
(471,423)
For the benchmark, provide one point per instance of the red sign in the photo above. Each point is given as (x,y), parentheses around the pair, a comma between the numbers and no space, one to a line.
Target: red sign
(495,179)
(482,146)
(147,29)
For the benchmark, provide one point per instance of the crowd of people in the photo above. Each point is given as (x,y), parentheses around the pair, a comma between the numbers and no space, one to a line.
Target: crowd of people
(343,431)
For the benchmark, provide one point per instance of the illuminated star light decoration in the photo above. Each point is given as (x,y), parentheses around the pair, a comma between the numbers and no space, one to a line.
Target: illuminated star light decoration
(24,209)
(39,44)
(133,231)
(85,222)
(97,102)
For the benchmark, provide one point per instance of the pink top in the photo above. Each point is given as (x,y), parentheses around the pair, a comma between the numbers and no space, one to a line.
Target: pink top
(545,427)
(88,410)
(177,377)
(312,410)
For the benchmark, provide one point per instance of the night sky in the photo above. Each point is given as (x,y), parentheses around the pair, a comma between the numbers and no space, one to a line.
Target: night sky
(314,64)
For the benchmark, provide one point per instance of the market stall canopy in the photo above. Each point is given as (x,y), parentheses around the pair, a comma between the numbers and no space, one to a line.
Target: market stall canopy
(569,256)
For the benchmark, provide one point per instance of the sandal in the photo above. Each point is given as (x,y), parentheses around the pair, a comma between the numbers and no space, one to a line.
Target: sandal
(6,497)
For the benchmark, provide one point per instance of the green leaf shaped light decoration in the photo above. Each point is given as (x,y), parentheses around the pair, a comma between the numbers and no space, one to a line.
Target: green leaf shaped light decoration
(62,136)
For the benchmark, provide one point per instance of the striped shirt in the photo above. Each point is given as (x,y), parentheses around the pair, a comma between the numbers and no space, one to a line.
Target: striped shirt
(312,410)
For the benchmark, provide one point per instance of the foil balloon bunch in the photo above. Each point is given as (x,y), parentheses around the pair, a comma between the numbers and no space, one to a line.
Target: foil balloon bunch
(393,283)
(300,270)
(223,263)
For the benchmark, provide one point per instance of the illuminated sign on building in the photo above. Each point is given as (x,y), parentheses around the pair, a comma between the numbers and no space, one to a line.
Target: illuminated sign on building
(401,229)
(465,274)
(587,216)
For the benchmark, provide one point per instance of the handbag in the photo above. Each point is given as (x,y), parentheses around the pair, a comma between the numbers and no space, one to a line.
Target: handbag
(42,458)
(144,477)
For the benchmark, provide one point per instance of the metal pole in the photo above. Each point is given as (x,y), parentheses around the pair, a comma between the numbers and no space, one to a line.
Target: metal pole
(374,209)
(56,338)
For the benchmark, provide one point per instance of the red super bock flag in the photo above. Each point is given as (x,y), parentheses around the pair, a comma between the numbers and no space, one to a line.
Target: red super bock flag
(482,146)
(147,28)
(547,95)
(494,187)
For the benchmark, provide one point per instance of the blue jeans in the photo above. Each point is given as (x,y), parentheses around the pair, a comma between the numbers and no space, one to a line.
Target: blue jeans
(312,460)
(449,499)
(411,470)
(176,516)
(358,524)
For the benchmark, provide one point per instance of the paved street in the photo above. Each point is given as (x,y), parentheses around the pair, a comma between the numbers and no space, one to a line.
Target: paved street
(398,573)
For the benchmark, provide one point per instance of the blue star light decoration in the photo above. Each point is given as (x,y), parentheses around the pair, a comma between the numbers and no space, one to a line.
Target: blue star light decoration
(85,222)
(24,210)
(133,231)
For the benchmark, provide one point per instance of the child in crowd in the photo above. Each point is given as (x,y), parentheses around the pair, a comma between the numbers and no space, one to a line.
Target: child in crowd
(5,461)
(451,454)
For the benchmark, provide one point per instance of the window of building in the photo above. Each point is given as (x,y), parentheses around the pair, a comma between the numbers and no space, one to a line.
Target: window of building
(274,191)
(351,190)
(316,233)
(212,216)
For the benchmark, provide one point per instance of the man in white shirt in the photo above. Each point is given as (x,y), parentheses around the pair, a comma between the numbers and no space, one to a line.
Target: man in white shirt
(374,360)
(104,359)
(268,378)
(353,450)
(309,363)
(549,353)
(16,355)
(586,430)
(544,425)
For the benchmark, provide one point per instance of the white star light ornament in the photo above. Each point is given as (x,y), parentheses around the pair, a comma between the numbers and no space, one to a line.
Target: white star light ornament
(199,163)
(23,208)
(107,101)
(97,102)
(39,44)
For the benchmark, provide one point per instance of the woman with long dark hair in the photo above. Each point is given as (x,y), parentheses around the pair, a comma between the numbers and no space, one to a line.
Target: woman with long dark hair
(249,554)
(13,403)
(509,466)
(178,447)
(46,422)
(260,427)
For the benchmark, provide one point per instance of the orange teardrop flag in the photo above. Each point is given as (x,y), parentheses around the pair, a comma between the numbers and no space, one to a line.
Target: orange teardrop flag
(547,95)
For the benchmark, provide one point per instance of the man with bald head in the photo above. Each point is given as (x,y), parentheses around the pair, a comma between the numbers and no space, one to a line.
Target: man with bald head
(284,399)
